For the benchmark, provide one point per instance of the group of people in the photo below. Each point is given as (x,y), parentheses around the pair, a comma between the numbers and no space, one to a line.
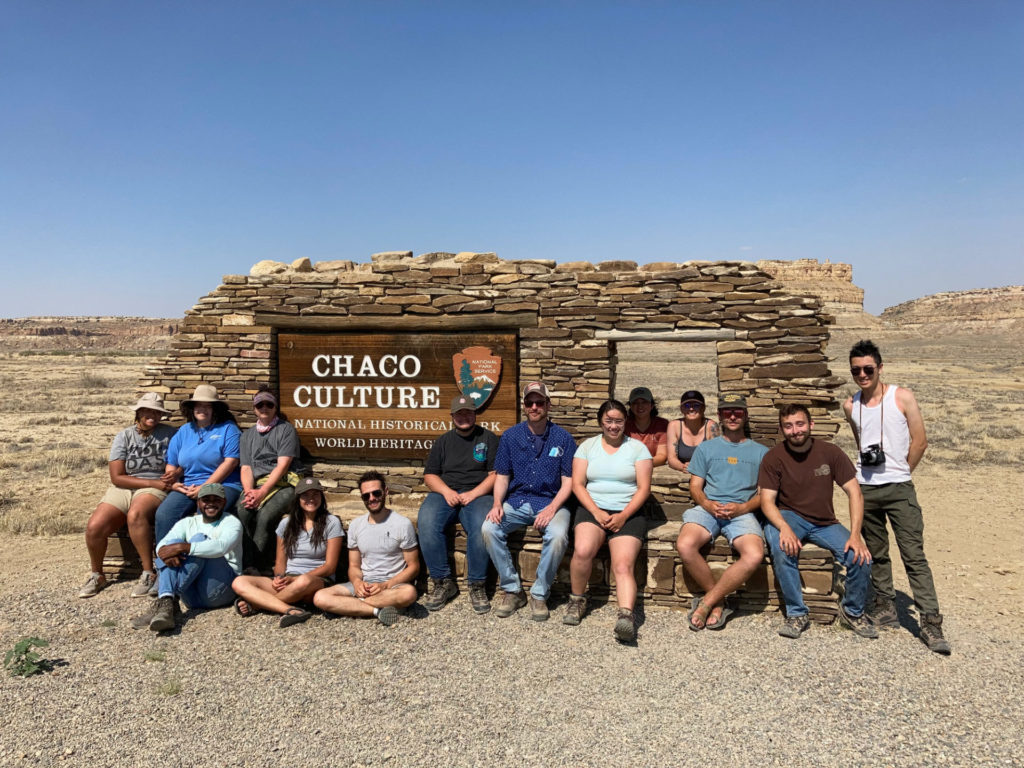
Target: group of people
(279,551)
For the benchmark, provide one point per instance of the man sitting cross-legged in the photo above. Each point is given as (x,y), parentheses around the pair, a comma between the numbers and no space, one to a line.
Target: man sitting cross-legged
(723,484)
(796,497)
(383,560)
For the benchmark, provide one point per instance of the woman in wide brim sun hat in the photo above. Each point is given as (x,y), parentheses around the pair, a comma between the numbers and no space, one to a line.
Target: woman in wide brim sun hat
(138,484)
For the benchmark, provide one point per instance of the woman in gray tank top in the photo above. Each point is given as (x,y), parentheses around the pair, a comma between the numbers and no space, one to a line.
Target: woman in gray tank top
(685,434)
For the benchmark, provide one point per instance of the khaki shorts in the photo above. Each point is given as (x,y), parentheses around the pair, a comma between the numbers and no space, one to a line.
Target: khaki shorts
(122,497)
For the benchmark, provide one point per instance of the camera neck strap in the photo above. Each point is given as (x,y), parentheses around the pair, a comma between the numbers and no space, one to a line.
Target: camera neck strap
(881,423)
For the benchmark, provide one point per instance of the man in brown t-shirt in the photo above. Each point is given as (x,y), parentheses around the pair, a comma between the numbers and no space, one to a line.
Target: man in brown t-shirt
(796,479)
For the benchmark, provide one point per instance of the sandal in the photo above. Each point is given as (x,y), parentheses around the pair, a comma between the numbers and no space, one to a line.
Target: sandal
(295,616)
(723,617)
(700,612)
(246,612)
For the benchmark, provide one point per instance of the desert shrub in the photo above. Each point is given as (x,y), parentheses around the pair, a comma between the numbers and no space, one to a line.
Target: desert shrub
(91,380)
(1003,431)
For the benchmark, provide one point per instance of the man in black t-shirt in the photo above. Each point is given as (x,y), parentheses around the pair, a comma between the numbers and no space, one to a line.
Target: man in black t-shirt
(460,475)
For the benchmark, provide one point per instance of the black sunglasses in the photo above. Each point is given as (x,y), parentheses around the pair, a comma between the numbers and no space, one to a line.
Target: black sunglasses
(371,495)
(869,370)
(263,406)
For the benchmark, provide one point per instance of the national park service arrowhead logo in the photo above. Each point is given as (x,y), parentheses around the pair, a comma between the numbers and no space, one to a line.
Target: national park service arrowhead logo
(477,372)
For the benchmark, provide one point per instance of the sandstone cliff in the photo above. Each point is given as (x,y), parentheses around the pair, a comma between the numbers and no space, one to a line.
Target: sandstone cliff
(127,334)
(832,283)
(997,308)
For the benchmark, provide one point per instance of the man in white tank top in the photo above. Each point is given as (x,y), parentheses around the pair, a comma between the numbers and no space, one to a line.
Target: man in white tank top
(889,428)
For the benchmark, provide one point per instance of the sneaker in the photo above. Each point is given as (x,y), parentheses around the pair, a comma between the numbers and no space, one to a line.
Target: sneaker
(387,615)
(163,614)
(154,591)
(93,585)
(509,603)
(538,609)
(859,624)
(478,597)
(444,590)
(931,633)
(574,610)
(882,613)
(145,584)
(794,626)
(625,627)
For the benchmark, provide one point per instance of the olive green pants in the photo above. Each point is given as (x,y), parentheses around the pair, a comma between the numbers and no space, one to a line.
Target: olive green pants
(896,504)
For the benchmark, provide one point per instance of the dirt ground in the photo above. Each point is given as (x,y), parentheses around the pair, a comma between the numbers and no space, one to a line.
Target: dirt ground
(60,411)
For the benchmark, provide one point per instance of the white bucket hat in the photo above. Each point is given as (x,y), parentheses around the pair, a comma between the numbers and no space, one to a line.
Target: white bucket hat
(205,393)
(153,401)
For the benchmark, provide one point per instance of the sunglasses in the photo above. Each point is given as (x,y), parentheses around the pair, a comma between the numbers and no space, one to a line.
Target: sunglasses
(371,495)
(732,413)
(264,406)
(869,370)
(691,406)
(534,403)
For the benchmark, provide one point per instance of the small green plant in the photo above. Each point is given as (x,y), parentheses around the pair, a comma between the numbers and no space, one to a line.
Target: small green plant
(21,660)
(154,654)
(108,623)
(170,687)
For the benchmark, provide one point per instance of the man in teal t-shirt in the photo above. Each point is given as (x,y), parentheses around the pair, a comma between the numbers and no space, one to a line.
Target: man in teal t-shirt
(723,485)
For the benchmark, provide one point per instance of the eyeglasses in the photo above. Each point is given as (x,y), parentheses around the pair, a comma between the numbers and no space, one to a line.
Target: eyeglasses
(869,370)
(371,495)
(691,406)
(263,406)
(732,413)
(534,403)
(614,422)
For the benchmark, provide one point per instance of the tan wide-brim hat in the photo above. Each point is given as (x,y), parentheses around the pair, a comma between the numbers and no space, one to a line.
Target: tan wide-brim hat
(153,401)
(205,393)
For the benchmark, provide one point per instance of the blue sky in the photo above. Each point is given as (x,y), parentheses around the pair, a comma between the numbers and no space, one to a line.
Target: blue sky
(147,148)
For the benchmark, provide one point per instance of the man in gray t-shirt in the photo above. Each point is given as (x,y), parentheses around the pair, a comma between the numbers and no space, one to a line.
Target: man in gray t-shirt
(383,560)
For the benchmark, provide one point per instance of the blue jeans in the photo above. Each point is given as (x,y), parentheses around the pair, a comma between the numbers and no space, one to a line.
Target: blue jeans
(435,516)
(177,505)
(831,537)
(202,582)
(555,539)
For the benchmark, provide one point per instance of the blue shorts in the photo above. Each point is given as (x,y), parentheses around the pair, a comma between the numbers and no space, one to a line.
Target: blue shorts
(732,529)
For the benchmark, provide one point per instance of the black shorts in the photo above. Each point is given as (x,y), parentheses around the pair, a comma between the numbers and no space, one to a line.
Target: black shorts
(636,526)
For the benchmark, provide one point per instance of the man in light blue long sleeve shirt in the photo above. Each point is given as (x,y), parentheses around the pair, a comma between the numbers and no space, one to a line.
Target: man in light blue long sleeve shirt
(197,560)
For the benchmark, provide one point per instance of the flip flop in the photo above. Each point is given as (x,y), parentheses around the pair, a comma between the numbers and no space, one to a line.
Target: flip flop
(696,605)
(720,624)
(248,612)
(295,616)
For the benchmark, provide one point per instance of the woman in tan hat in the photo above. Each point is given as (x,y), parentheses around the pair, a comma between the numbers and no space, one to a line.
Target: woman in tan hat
(308,547)
(204,450)
(138,483)
(270,470)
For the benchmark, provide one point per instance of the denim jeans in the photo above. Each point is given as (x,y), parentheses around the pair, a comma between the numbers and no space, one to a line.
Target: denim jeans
(177,505)
(202,582)
(435,516)
(259,528)
(830,537)
(554,540)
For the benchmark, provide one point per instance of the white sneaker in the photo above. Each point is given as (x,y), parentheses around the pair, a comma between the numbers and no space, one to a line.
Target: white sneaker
(93,585)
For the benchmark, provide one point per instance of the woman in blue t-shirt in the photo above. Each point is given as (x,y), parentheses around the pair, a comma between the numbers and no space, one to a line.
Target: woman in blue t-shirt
(204,450)
(308,547)
(611,479)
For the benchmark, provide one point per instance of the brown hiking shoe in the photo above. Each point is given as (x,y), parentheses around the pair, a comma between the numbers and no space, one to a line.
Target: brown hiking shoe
(163,614)
(538,609)
(625,626)
(794,626)
(444,590)
(882,613)
(509,603)
(574,610)
(931,633)
(478,597)
(859,624)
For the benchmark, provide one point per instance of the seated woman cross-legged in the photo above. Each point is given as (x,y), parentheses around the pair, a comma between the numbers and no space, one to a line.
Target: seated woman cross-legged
(308,546)
(611,478)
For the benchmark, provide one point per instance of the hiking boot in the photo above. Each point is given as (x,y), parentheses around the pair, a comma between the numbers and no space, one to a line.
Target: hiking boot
(387,615)
(574,610)
(163,614)
(93,585)
(145,584)
(444,591)
(478,597)
(538,609)
(509,603)
(625,627)
(931,633)
(859,624)
(882,613)
(794,626)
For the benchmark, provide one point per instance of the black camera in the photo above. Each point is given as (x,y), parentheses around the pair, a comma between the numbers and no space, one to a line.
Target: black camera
(872,456)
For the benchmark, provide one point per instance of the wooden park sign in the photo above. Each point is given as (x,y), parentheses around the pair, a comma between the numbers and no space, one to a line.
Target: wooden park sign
(356,395)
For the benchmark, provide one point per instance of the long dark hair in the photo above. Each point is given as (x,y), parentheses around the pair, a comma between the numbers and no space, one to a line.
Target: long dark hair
(611,405)
(221,412)
(297,524)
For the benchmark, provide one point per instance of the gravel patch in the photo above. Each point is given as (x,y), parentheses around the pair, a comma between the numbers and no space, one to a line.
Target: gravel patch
(458,689)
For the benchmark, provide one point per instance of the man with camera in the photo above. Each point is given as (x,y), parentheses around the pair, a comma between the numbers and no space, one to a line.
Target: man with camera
(889,428)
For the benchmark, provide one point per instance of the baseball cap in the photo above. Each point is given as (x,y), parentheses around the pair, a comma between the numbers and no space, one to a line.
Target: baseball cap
(211,489)
(536,387)
(731,400)
(461,402)
(640,393)
(692,396)
(308,484)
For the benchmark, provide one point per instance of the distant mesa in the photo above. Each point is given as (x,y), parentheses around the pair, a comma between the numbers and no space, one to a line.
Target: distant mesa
(50,334)
(983,308)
